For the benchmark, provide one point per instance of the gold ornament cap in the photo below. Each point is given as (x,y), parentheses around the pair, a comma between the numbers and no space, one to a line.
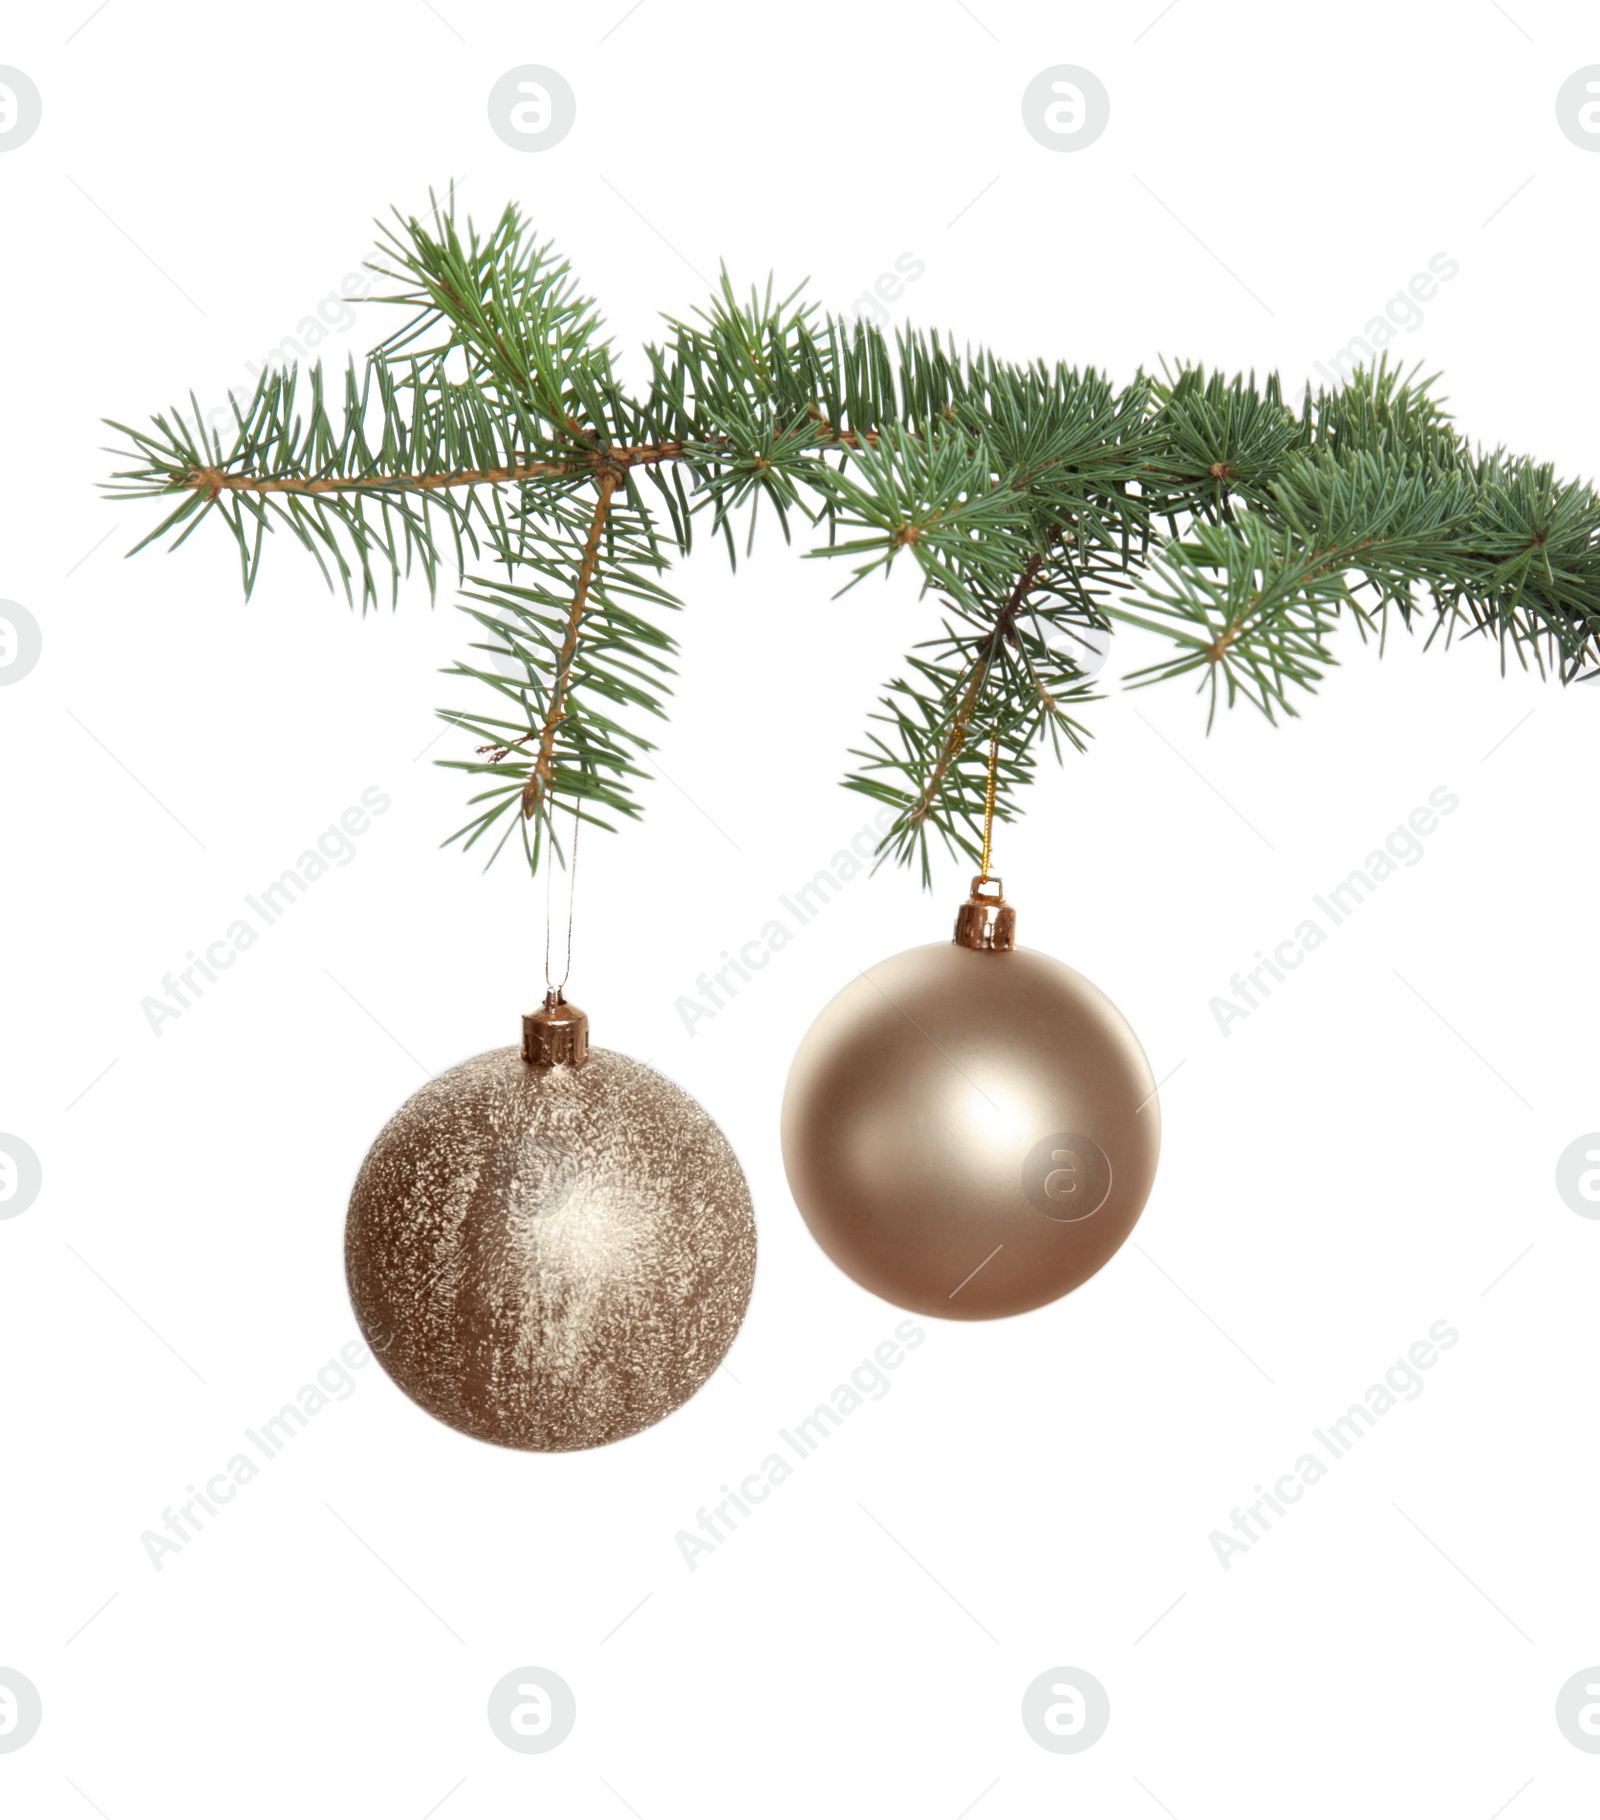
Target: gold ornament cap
(986,920)
(556,1035)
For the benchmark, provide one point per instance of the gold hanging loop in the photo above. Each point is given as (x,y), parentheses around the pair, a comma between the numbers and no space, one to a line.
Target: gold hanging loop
(988,801)
(986,921)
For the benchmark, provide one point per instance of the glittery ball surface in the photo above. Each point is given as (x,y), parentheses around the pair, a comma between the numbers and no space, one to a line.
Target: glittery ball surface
(550,1258)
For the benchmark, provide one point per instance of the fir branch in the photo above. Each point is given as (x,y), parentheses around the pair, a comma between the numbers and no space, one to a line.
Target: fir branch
(1034,502)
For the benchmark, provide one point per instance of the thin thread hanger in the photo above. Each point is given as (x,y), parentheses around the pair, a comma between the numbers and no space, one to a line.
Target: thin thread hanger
(555,987)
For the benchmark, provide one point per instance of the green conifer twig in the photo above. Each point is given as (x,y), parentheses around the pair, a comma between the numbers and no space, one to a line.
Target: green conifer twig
(1036,502)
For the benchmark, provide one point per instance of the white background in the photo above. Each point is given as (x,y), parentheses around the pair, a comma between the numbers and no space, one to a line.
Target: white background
(1362,1157)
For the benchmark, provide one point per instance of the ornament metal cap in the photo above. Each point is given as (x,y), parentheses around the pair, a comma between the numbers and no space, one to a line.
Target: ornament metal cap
(986,920)
(556,1035)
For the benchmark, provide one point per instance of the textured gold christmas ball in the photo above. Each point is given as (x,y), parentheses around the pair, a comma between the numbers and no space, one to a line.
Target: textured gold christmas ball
(550,1257)
(970,1131)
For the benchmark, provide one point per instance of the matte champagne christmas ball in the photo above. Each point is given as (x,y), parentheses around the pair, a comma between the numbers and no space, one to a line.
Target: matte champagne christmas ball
(550,1256)
(971,1130)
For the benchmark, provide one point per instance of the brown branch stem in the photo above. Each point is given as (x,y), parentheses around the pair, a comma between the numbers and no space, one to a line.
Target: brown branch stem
(537,785)
(956,739)
(214,481)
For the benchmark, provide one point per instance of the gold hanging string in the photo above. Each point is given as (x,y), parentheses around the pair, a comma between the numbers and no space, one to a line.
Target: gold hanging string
(988,803)
(555,986)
